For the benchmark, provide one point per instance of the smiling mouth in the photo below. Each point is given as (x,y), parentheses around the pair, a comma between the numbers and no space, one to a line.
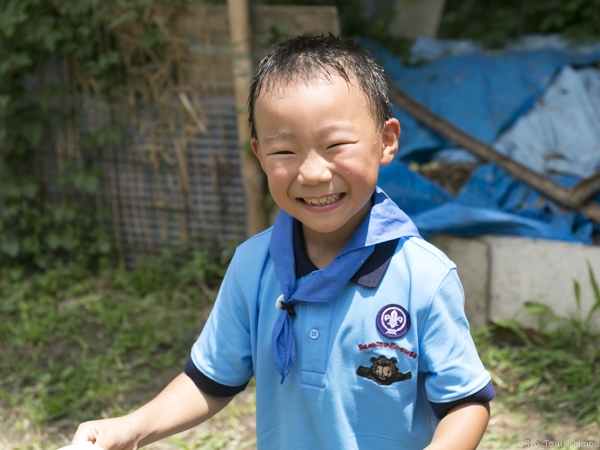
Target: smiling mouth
(322,201)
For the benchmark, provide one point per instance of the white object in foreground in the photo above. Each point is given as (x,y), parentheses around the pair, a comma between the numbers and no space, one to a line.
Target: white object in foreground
(85,446)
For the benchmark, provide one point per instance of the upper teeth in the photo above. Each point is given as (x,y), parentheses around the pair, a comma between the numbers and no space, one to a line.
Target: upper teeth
(322,200)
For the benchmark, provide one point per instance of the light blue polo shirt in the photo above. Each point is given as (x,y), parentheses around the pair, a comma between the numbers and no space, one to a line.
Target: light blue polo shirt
(369,364)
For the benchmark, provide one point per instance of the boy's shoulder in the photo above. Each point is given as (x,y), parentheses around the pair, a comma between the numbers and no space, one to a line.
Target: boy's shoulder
(253,249)
(419,251)
(248,262)
(258,240)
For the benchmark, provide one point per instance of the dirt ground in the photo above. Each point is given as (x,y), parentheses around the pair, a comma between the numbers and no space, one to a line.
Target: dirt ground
(234,428)
(533,429)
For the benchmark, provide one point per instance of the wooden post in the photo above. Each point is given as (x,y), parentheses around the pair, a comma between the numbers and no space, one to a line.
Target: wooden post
(252,176)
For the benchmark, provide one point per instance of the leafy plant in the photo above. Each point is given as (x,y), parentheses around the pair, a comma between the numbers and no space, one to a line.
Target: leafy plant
(54,57)
(494,21)
(35,234)
(555,368)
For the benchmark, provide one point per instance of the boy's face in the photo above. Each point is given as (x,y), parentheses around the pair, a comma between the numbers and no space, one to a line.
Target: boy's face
(321,151)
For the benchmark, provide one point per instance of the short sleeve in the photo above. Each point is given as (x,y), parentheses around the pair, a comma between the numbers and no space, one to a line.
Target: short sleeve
(223,350)
(448,357)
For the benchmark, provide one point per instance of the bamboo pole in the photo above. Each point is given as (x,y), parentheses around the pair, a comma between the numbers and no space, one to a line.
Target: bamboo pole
(252,176)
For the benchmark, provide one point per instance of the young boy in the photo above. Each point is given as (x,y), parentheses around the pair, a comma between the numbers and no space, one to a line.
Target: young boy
(352,325)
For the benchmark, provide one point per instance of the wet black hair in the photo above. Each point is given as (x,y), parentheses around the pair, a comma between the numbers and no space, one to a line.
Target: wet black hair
(304,59)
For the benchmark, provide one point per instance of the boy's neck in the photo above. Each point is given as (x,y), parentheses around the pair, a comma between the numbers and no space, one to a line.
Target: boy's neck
(322,248)
(321,254)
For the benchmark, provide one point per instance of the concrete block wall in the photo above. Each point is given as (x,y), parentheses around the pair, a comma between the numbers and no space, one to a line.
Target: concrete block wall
(500,273)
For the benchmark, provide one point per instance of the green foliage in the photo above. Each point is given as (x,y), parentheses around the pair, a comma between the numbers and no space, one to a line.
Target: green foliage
(490,21)
(494,21)
(166,272)
(556,368)
(74,341)
(35,235)
(80,36)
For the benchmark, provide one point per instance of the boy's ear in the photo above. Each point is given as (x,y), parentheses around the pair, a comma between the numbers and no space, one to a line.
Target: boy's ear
(390,135)
(256,150)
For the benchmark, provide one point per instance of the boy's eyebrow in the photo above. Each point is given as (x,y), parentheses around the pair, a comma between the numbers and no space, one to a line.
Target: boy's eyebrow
(278,136)
(349,127)
(284,135)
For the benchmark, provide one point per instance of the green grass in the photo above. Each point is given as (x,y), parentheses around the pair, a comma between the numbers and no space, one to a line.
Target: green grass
(555,368)
(74,341)
(76,344)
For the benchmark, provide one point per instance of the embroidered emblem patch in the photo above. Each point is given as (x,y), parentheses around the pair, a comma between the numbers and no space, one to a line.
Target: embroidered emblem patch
(383,371)
(393,321)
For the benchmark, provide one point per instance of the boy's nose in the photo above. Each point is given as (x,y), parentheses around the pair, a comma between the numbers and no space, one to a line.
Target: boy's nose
(314,170)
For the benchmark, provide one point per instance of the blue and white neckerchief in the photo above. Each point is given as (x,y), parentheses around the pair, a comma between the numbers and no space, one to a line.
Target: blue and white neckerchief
(385,222)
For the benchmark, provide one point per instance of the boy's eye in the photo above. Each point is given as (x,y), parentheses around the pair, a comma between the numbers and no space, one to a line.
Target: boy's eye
(337,144)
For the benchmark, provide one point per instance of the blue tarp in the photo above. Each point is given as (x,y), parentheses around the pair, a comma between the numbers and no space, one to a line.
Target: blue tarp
(561,133)
(529,104)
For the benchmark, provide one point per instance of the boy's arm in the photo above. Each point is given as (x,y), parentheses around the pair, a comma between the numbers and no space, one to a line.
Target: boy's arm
(180,406)
(462,428)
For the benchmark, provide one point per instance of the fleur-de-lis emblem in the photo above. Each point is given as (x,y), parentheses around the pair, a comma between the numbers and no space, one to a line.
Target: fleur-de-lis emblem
(393,321)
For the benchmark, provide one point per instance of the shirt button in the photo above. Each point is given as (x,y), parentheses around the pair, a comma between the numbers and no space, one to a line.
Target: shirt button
(314,333)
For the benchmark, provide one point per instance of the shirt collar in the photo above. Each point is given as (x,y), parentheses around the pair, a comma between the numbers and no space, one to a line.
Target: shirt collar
(369,274)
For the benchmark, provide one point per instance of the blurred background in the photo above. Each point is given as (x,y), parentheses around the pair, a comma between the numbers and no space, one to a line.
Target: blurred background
(127,180)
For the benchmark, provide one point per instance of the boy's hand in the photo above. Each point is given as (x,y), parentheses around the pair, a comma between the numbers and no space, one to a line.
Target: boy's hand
(108,434)
(180,406)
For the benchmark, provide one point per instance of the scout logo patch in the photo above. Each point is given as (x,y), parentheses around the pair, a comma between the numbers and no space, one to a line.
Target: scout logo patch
(383,371)
(393,321)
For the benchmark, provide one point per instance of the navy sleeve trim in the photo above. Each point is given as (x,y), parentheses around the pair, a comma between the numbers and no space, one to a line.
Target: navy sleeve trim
(208,385)
(485,395)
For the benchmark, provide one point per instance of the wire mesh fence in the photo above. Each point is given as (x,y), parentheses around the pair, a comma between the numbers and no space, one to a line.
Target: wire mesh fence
(170,159)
